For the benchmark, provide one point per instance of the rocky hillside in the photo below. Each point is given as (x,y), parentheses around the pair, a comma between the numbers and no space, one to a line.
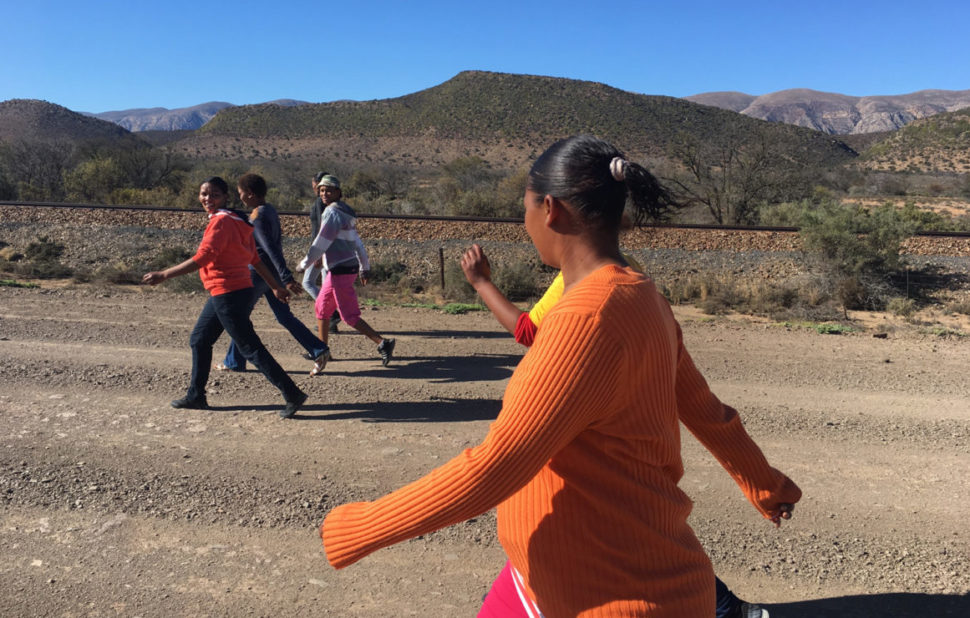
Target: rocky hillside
(839,114)
(33,120)
(503,118)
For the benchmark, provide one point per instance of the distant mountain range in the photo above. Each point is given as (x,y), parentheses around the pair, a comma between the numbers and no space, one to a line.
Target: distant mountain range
(839,114)
(180,119)
(506,119)
(832,113)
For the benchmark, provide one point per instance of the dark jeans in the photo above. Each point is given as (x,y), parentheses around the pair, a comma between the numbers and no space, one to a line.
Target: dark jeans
(728,605)
(230,312)
(236,360)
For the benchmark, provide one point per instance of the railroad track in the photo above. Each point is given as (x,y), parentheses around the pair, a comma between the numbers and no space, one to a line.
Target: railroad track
(431,227)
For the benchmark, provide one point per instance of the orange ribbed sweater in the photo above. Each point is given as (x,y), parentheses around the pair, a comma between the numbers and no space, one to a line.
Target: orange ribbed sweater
(583,464)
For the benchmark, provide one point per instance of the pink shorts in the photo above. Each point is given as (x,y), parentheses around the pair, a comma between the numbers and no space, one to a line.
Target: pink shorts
(507,598)
(337,292)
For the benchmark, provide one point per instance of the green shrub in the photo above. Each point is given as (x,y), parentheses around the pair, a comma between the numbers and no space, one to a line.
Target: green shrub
(44,269)
(10,283)
(387,272)
(904,307)
(517,281)
(168,256)
(43,249)
(462,308)
(961,306)
(457,287)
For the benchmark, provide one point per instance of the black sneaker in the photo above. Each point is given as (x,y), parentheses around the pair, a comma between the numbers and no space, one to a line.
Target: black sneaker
(293,405)
(199,403)
(386,350)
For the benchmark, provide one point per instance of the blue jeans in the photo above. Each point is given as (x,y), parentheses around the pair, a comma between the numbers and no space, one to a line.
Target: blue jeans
(311,280)
(236,360)
(728,605)
(230,312)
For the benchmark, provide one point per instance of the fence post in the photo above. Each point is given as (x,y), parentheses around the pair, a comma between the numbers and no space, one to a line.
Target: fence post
(441,265)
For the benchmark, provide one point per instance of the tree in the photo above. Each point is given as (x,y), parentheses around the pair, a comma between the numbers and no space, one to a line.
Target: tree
(733,176)
(36,169)
(93,180)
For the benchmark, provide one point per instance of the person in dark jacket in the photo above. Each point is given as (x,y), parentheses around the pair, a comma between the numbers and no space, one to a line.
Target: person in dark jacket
(266,231)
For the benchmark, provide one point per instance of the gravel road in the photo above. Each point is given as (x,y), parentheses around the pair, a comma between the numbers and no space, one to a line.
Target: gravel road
(112,503)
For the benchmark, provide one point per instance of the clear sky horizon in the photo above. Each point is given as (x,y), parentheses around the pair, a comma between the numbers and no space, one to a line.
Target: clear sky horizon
(103,56)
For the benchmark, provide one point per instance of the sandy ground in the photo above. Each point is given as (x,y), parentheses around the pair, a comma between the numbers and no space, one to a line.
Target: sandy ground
(114,504)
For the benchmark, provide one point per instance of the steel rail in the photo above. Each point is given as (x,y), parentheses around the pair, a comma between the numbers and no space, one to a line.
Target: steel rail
(284,213)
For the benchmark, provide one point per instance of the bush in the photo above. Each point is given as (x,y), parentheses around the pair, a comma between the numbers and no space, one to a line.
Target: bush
(457,287)
(44,269)
(904,307)
(168,256)
(517,281)
(962,306)
(859,249)
(43,250)
(387,272)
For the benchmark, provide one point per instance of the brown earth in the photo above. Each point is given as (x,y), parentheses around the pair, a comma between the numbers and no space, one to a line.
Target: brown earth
(114,504)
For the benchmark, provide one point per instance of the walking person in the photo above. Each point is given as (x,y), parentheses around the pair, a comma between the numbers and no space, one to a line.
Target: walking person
(344,256)
(269,245)
(583,461)
(524,326)
(312,275)
(223,259)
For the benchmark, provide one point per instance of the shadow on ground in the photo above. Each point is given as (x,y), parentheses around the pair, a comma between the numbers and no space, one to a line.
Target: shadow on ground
(894,605)
(440,369)
(438,411)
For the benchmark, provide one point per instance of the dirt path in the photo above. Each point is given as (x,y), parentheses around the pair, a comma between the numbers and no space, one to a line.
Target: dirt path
(113,504)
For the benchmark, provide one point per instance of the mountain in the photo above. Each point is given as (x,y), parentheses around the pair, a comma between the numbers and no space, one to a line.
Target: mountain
(939,143)
(181,119)
(734,101)
(839,114)
(33,120)
(505,119)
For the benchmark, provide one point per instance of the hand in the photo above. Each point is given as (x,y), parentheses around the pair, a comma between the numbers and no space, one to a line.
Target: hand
(364,277)
(784,512)
(153,278)
(294,288)
(282,294)
(475,265)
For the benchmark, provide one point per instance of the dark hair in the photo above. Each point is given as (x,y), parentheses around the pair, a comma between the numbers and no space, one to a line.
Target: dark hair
(218,183)
(254,183)
(578,170)
(318,177)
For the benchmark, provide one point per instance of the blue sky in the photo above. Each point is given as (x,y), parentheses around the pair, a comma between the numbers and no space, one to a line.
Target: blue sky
(113,55)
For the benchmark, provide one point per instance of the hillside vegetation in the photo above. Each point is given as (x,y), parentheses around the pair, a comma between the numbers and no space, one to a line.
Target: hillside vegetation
(481,107)
(938,143)
(462,148)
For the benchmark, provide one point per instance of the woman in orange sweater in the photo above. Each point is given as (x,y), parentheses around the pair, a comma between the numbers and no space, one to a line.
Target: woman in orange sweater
(583,460)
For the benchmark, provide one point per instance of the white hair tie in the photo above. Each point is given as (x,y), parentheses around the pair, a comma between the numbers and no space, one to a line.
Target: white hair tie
(618,168)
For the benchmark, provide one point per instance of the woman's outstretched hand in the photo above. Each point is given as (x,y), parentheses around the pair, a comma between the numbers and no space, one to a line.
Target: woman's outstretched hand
(475,265)
(784,512)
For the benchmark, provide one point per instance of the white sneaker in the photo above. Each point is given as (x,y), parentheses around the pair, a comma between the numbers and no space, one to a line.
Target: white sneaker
(751,610)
